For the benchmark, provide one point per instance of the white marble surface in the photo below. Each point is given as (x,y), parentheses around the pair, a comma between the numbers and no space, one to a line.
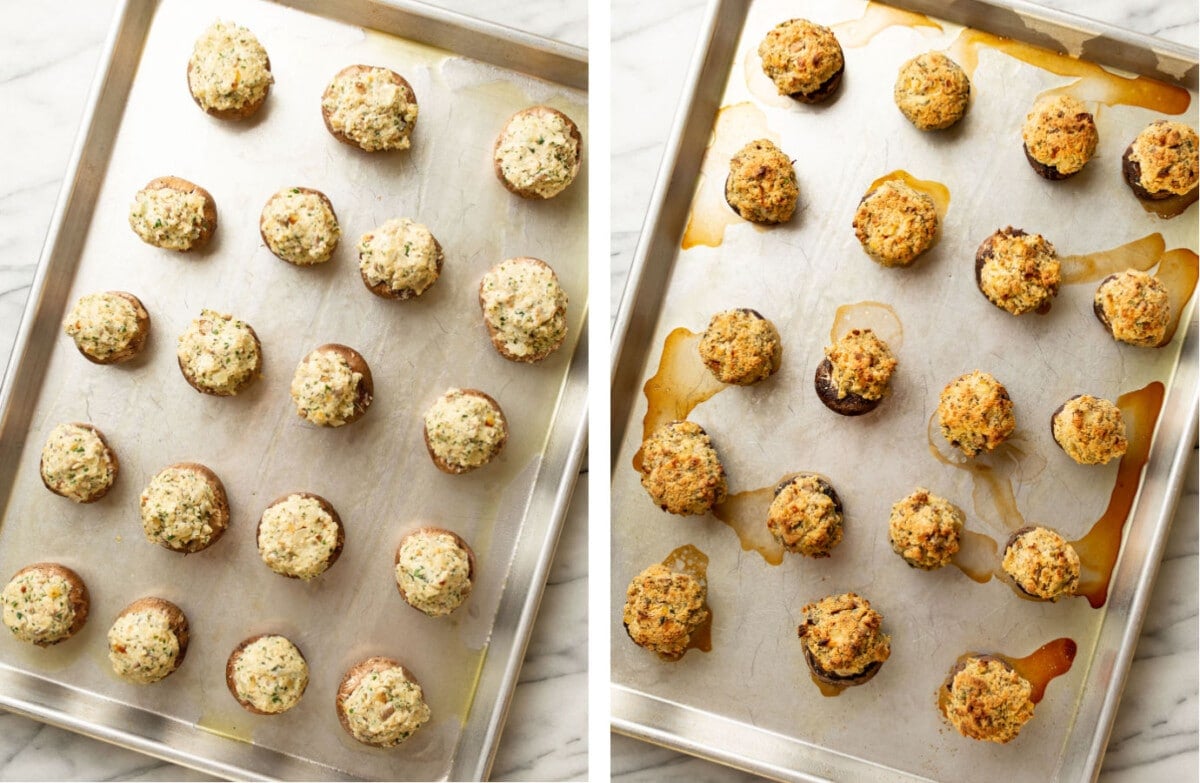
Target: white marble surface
(1155,737)
(47,59)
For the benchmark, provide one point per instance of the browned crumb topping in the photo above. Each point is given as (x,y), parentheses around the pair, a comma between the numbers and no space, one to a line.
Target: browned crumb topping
(988,701)
(800,56)
(1020,271)
(1136,306)
(975,413)
(1061,133)
(895,223)
(740,346)
(1166,153)
(662,609)
(681,470)
(1091,430)
(932,91)
(842,634)
(861,364)
(924,529)
(1042,564)
(761,186)
(804,519)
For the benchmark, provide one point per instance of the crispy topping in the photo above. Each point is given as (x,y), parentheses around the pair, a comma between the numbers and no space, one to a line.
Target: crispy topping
(1166,153)
(800,56)
(862,364)
(804,518)
(681,470)
(663,609)
(762,186)
(740,346)
(1060,132)
(975,413)
(1042,564)
(932,91)
(1136,307)
(924,529)
(843,634)
(895,223)
(988,701)
(1019,272)
(1091,430)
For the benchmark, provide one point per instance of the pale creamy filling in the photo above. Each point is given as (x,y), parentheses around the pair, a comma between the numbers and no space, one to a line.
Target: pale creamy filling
(371,109)
(537,153)
(401,254)
(325,389)
(525,305)
(178,508)
(142,647)
(228,68)
(299,227)
(168,218)
(297,537)
(464,429)
(102,324)
(76,463)
(270,674)
(386,708)
(37,606)
(434,572)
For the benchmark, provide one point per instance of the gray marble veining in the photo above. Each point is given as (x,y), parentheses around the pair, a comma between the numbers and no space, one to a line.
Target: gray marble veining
(1155,736)
(47,62)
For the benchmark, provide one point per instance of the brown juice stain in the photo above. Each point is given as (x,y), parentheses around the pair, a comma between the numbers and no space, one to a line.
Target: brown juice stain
(1044,664)
(827,689)
(681,383)
(875,19)
(978,556)
(879,317)
(223,726)
(746,514)
(1098,550)
(992,476)
(1172,206)
(1093,83)
(736,125)
(1139,254)
(1052,659)
(689,560)
(935,190)
(1178,270)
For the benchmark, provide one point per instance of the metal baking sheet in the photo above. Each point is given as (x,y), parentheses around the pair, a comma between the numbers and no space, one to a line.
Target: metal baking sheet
(469,77)
(749,702)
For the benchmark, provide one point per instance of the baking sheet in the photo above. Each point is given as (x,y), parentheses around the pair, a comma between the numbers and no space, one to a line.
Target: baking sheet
(750,702)
(375,472)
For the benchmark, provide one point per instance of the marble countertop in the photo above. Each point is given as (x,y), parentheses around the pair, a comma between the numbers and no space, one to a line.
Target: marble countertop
(1155,736)
(46,69)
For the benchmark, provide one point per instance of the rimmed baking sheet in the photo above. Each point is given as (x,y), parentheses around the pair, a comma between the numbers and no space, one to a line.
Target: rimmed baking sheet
(750,702)
(469,77)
